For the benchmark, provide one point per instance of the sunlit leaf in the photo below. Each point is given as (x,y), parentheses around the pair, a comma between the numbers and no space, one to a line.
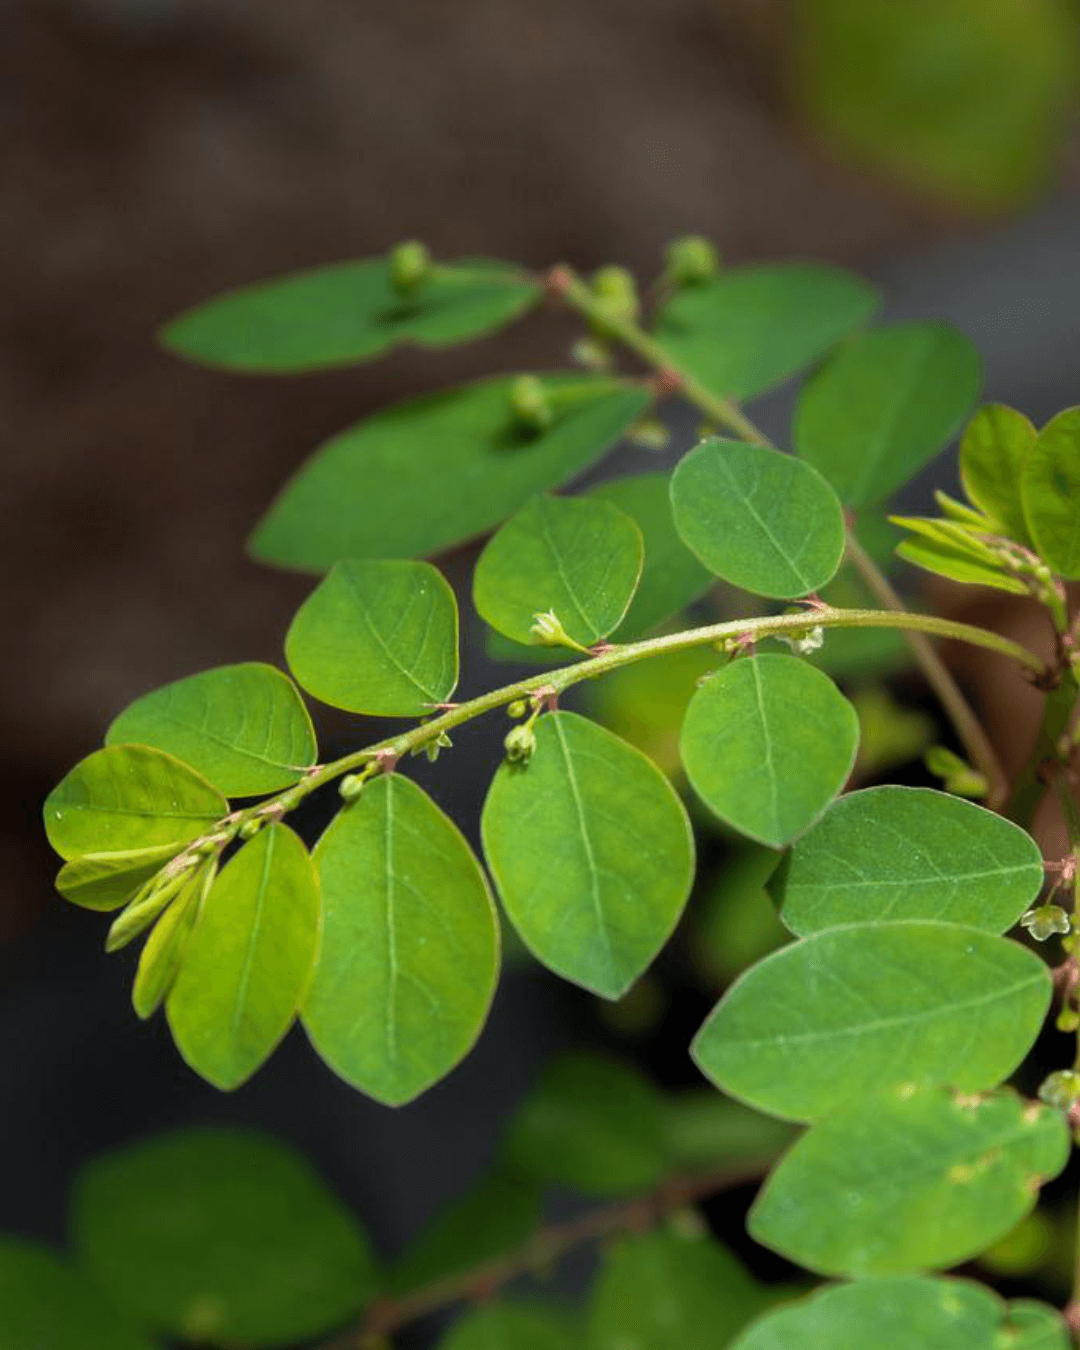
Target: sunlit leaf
(993,450)
(767,744)
(250,959)
(591,852)
(884,405)
(908,853)
(345,313)
(221,1237)
(105,881)
(1050,484)
(163,951)
(377,637)
(244,728)
(761,520)
(410,947)
(578,558)
(378,490)
(908,1180)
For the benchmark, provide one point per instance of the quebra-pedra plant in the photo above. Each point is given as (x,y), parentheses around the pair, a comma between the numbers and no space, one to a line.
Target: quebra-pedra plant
(884,1030)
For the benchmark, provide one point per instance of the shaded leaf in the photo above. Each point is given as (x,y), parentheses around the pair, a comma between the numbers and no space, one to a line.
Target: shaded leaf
(747,330)
(663,1291)
(591,851)
(378,491)
(46,1306)
(592,1123)
(761,520)
(901,1312)
(221,1236)
(1050,485)
(127,798)
(992,455)
(841,1014)
(410,947)
(105,881)
(884,405)
(737,921)
(705,1129)
(250,959)
(576,557)
(767,744)
(513,1326)
(345,313)
(908,1180)
(672,577)
(244,728)
(377,637)
(908,853)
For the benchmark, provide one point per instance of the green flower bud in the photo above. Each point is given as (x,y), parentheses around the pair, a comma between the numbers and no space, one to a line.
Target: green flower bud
(409,265)
(351,786)
(518,708)
(593,354)
(547,629)
(1068,1020)
(251,828)
(617,298)
(520,742)
(1045,920)
(650,433)
(690,261)
(1061,1088)
(529,401)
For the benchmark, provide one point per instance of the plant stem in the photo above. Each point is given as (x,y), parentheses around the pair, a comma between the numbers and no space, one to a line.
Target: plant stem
(564,282)
(1030,784)
(543,1249)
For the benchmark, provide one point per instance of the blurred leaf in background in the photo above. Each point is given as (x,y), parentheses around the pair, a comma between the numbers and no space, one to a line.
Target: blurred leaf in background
(966,101)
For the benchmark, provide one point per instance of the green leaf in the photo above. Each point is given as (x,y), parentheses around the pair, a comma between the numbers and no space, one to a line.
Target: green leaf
(345,313)
(962,101)
(250,959)
(908,853)
(672,577)
(904,1312)
(576,557)
(497,1216)
(513,1326)
(378,491)
(747,330)
(223,1237)
(1050,485)
(704,1129)
(128,798)
(410,947)
(767,743)
(592,1123)
(909,1180)
(884,405)
(737,921)
(761,520)
(46,1306)
(377,637)
(159,961)
(591,852)
(105,881)
(244,728)
(664,1291)
(945,558)
(994,448)
(851,1010)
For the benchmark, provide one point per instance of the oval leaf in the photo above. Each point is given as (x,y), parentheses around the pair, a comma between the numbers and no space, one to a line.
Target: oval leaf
(105,881)
(43,1304)
(377,491)
(250,959)
(518,1325)
(665,1291)
(575,557)
(347,312)
(591,852)
(852,1010)
(884,405)
(901,1313)
(129,797)
(221,1237)
(908,1181)
(908,853)
(1050,485)
(993,451)
(747,330)
(377,637)
(592,1123)
(767,744)
(672,577)
(409,956)
(761,520)
(244,728)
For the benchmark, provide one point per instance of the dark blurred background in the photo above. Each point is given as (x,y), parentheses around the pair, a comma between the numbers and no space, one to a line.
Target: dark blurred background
(155,152)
